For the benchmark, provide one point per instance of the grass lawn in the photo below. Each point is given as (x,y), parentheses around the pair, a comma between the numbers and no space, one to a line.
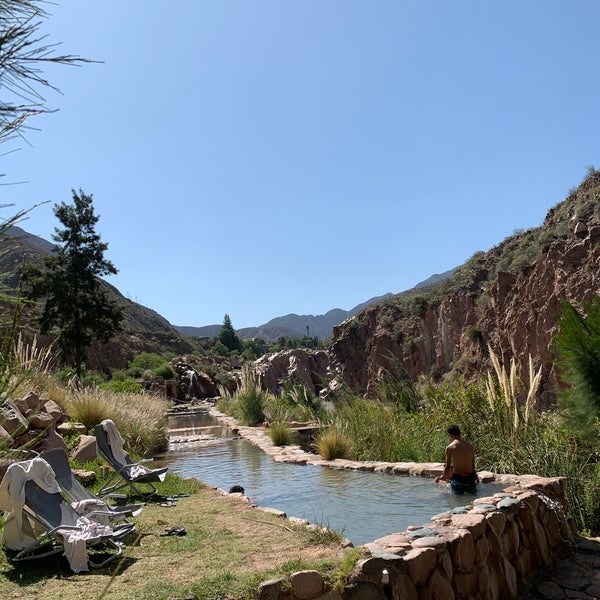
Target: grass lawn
(228,549)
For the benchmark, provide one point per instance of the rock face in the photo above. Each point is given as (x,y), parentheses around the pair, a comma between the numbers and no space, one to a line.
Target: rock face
(509,298)
(309,368)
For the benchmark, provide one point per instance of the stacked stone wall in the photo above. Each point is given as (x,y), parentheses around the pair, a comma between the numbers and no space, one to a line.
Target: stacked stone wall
(489,550)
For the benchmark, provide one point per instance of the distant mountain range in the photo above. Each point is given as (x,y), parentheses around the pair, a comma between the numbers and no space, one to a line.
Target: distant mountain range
(139,318)
(297,326)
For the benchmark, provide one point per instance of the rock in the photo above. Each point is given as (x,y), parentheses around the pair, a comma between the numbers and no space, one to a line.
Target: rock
(41,420)
(54,410)
(306,584)
(12,419)
(71,428)
(309,368)
(52,440)
(86,449)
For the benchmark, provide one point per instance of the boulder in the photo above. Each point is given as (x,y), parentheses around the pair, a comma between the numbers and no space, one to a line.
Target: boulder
(86,449)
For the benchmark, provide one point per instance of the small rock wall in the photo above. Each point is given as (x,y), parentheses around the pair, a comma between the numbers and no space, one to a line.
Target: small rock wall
(489,550)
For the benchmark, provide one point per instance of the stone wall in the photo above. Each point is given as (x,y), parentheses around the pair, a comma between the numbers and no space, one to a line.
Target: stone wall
(489,550)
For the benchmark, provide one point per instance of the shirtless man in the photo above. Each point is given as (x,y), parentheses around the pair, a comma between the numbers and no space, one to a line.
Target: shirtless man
(459,469)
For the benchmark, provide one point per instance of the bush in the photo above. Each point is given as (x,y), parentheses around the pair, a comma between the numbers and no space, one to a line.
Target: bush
(123,386)
(145,361)
(250,406)
(165,371)
(281,434)
(140,418)
(333,443)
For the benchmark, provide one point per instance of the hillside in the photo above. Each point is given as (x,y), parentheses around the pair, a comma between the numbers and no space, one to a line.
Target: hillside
(509,298)
(144,330)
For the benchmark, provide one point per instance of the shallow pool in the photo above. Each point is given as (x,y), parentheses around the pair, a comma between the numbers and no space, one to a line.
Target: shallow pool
(360,505)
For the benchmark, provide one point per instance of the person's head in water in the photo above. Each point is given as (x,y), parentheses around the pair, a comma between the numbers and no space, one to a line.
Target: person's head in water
(454,430)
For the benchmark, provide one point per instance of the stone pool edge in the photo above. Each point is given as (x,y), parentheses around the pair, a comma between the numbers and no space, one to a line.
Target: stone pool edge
(487,549)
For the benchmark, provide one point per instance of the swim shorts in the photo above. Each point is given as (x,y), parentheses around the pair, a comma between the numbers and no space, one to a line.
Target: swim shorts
(464,484)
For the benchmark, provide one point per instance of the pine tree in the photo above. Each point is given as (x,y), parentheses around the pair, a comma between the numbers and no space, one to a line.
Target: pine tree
(228,337)
(76,303)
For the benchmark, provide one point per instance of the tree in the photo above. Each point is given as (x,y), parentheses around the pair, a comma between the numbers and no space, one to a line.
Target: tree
(228,337)
(22,53)
(75,300)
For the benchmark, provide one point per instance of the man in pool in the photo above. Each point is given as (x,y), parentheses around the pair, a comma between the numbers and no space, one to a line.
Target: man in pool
(459,469)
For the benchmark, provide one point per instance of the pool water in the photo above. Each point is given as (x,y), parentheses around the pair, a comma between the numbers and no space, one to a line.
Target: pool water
(360,505)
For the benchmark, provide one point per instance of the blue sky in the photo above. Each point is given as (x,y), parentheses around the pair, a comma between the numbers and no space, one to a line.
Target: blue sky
(259,158)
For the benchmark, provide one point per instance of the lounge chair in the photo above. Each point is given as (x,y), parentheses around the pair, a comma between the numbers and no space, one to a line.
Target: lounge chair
(81,498)
(39,522)
(127,473)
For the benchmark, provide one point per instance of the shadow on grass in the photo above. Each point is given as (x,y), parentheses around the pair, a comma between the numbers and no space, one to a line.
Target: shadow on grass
(55,567)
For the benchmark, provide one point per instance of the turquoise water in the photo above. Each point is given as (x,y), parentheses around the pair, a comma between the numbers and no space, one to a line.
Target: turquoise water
(361,505)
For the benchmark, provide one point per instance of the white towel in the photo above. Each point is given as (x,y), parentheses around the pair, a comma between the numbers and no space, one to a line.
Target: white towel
(89,505)
(115,440)
(116,446)
(75,542)
(12,498)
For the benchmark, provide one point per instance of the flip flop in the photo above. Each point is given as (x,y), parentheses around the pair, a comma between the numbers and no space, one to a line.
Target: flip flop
(174,531)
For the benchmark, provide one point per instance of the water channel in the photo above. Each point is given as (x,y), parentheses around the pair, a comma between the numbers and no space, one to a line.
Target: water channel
(360,505)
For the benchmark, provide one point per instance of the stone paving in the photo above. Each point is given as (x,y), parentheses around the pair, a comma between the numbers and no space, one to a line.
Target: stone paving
(576,577)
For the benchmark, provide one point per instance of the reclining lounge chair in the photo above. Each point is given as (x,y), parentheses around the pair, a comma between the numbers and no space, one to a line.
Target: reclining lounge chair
(39,522)
(81,498)
(127,473)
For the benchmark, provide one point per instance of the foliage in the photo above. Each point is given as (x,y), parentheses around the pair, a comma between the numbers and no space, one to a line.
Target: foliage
(126,385)
(23,51)
(577,347)
(289,343)
(254,348)
(75,300)
(395,386)
(294,404)
(228,337)
(247,403)
(150,364)
(281,434)
(140,418)
(334,442)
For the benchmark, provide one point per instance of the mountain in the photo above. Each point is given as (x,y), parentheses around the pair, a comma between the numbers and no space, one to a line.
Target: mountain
(144,330)
(508,299)
(292,325)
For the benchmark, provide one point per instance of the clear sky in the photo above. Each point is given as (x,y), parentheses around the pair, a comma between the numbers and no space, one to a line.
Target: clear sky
(265,157)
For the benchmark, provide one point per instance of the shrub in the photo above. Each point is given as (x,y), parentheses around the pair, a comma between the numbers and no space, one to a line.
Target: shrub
(249,400)
(145,361)
(123,386)
(281,434)
(333,443)
(165,370)
(140,418)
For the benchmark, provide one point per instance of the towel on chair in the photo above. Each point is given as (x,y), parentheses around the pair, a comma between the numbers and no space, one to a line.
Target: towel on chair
(12,498)
(116,442)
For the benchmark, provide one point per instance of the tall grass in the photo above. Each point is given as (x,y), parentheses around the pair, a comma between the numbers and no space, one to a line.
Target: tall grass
(281,434)
(140,418)
(334,442)
(247,403)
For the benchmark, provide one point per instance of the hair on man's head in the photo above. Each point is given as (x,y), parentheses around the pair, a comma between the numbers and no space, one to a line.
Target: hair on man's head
(454,430)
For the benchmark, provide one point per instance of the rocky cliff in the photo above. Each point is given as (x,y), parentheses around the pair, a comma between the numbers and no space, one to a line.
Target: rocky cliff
(509,298)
